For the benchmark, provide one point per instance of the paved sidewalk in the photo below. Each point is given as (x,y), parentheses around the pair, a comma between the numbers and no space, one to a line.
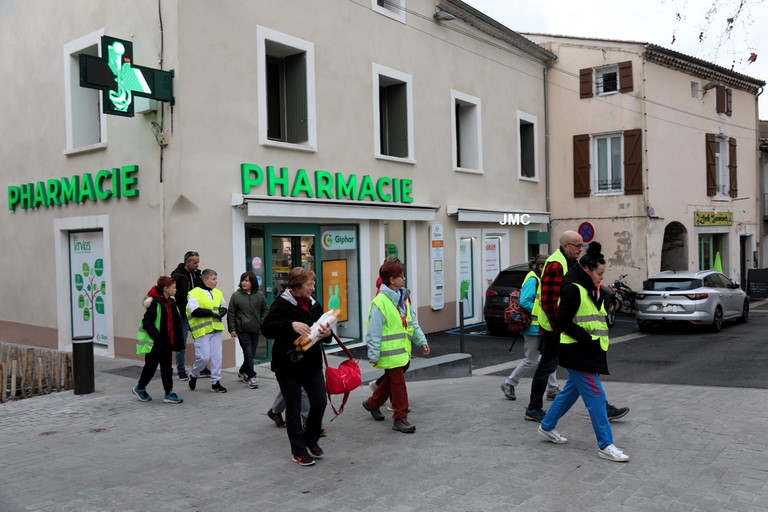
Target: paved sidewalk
(692,449)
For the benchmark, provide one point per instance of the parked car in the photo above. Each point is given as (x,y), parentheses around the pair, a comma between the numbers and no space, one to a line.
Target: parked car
(497,297)
(706,297)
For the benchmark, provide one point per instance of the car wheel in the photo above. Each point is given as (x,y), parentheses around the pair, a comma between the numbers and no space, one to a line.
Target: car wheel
(744,313)
(644,326)
(610,310)
(717,319)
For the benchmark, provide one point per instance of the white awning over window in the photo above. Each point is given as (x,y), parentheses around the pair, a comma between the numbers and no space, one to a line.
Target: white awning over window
(267,206)
(468,214)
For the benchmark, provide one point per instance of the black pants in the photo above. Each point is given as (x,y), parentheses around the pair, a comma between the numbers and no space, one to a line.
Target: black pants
(290,387)
(157,356)
(550,354)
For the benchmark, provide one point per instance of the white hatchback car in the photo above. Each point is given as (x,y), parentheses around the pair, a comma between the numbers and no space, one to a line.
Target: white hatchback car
(705,297)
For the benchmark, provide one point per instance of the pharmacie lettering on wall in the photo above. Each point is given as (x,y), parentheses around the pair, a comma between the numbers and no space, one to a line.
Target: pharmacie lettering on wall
(325,185)
(106,184)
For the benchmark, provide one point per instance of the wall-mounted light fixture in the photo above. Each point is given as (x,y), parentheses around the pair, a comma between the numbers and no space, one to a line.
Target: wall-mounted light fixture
(711,85)
(441,15)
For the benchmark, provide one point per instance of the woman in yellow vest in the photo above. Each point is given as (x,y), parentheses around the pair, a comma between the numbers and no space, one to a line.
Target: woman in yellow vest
(582,322)
(159,334)
(391,329)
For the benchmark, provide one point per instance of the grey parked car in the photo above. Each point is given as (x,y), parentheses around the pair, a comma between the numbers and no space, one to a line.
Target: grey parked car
(705,297)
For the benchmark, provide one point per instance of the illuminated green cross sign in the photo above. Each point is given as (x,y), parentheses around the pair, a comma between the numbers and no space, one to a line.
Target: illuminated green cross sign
(120,80)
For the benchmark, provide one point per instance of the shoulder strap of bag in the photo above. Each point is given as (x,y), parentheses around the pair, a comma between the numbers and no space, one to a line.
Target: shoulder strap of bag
(346,395)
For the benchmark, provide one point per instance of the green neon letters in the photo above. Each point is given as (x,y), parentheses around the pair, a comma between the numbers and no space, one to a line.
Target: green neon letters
(326,185)
(117,183)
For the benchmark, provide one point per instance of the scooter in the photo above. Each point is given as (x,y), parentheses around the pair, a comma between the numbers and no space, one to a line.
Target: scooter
(621,300)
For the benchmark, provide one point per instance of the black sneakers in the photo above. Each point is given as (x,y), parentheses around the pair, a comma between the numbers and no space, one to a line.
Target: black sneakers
(216,387)
(534,415)
(183,375)
(377,415)
(205,373)
(277,418)
(614,413)
(315,451)
(192,382)
(303,460)
(403,426)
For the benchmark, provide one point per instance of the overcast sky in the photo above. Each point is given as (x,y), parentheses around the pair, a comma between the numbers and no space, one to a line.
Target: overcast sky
(652,21)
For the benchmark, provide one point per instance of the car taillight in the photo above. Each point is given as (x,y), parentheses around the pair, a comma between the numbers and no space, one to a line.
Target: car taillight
(697,296)
(490,293)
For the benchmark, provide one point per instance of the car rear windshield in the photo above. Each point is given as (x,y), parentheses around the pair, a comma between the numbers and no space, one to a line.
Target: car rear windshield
(672,284)
(510,279)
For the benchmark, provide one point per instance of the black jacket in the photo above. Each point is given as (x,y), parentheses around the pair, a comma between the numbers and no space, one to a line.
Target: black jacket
(586,354)
(161,337)
(277,326)
(185,281)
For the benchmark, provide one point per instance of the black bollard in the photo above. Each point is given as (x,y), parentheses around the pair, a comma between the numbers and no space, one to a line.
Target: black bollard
(82,364)
(461,326)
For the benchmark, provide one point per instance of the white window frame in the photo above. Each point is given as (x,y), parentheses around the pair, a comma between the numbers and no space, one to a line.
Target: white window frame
(612,173)
(378,71)
(76,96)
(264,34)
(471,136)
(722,172)
(599,73)
(394,9)
(524,117)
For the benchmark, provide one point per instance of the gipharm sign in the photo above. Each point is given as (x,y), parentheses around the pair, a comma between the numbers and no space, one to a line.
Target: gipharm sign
(106,184)
(325,185)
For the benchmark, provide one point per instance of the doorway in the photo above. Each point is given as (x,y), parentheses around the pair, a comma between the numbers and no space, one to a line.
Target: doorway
(289,246)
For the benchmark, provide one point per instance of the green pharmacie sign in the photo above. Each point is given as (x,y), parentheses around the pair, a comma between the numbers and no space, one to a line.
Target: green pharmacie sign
(325,185)
(106,184)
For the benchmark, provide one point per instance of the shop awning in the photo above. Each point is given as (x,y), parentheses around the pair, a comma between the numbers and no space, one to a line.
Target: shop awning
(267,206)
(468,214)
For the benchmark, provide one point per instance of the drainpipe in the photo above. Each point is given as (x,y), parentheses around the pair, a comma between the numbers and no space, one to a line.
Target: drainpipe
(546,153)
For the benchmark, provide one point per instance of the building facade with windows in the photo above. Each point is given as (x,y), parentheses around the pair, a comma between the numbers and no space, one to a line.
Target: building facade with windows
(655,155)
(327,135)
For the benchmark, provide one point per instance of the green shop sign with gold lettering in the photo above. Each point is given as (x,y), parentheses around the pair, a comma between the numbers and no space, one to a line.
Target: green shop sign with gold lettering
(712,218)
(106,184)
(325,185)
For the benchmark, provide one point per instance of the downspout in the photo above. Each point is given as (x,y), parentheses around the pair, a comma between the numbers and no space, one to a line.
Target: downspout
(646,185)
(162,148)
(546,153)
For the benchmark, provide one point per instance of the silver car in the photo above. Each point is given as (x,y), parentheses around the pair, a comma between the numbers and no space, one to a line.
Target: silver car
(705,297)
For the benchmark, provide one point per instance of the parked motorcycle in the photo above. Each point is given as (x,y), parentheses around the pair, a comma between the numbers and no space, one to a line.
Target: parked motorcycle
(622,299)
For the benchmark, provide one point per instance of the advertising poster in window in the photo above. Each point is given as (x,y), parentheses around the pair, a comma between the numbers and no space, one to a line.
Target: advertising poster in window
(466,286)
(492,256)
(335,286)
(88,289)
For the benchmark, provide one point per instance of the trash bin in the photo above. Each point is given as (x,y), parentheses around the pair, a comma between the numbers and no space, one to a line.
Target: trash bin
(82,364)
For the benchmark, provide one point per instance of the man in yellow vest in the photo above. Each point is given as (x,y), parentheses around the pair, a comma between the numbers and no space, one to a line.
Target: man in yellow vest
(391,329)
(205,307)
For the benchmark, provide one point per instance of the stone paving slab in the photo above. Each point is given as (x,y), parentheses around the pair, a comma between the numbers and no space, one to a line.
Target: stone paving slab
(699,449)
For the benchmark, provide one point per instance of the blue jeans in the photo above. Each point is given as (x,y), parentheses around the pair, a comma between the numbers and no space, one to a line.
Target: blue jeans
(589,387)
(180,354)
(249,341)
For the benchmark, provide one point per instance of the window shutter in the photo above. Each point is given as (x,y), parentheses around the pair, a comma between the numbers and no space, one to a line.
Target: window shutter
(585,83)
(728,102)
(581,166)
(633,162)
(720,106)
(733,185)
(625,76)
(711,144)
(296,98)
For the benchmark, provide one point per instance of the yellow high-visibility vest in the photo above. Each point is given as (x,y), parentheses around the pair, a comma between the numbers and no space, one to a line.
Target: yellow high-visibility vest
(395,347)
(591,319)
(200,326)
(144,345)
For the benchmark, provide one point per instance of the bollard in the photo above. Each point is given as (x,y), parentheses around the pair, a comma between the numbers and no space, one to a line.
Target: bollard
(461,326)
(82,364)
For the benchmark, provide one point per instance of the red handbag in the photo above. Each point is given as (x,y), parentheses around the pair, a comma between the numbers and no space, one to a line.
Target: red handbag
(342,380)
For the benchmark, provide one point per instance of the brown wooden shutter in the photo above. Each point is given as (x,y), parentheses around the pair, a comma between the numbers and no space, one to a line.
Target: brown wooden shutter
(585,83)
(581,166)
(633,162)
(733,185)
(720,106)
(711,149)
(625,76)
(728,102)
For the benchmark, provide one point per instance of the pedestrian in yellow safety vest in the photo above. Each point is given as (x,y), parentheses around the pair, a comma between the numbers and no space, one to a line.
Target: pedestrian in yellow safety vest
(205,307)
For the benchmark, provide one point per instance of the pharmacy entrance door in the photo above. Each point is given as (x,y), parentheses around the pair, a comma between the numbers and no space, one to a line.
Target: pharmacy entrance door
(289,246)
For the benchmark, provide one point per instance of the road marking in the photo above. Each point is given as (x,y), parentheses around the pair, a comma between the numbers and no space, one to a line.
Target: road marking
(488,370)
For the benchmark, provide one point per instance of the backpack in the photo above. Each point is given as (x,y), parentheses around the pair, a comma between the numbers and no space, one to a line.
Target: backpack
(342,380)
(515,317)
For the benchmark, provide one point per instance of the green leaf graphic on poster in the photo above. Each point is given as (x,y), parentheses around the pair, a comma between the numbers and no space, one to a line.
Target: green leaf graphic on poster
(86,314)
(99,305)
(98,267)
(81,301)
(86,269)
(79,282)
(103,287)
(88,287)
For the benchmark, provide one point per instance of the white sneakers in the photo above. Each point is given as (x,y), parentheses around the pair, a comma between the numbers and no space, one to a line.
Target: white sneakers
(612,453)
(553,436)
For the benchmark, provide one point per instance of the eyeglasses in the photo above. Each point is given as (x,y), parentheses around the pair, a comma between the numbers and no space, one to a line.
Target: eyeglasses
(578,246)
